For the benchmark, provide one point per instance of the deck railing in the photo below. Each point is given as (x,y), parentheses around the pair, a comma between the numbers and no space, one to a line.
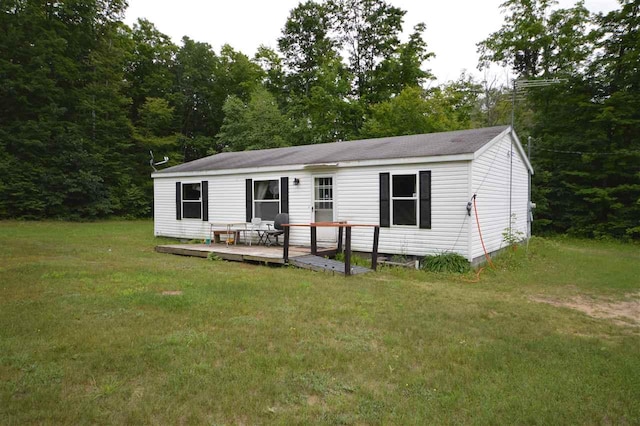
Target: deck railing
(344,228)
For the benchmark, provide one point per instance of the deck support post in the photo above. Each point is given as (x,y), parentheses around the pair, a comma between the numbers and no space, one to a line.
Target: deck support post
(347,251)
(285,248)
(374,252)
(340,232)
(314,242)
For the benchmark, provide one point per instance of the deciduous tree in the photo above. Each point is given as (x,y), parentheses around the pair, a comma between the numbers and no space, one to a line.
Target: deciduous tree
(257,124)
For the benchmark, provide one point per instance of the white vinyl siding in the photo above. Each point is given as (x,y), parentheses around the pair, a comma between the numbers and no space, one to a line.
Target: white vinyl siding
(227,204)
(356,199)
(358,192)
(165,223)
(491,185)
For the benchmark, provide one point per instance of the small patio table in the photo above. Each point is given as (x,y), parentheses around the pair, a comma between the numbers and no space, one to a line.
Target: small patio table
(232,228)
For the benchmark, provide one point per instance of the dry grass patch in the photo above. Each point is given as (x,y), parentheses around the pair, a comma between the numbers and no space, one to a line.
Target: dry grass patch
(621,312)
(172,293)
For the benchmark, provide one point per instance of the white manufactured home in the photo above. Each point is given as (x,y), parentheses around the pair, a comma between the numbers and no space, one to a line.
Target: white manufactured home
(418,188)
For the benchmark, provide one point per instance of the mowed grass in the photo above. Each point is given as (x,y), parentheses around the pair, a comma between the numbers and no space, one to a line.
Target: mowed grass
(87,336)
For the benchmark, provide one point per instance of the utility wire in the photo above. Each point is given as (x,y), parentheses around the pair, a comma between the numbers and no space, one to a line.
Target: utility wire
(586,153)
(484,178)
(464,221)
(498,151)
(453,247)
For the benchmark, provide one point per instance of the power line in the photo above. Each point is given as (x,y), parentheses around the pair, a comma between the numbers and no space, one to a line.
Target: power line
(585,152)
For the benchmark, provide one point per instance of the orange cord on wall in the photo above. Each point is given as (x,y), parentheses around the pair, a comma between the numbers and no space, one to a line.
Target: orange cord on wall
(486,255)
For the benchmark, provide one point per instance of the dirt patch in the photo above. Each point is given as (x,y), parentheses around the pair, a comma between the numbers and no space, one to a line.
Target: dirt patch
(172,293)
(622,312)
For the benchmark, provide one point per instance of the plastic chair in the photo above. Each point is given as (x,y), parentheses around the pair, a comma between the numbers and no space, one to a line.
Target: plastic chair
(256,223)
(280,219)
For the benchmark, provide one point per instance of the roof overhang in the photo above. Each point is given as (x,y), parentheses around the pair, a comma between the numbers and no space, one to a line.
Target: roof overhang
(323,166)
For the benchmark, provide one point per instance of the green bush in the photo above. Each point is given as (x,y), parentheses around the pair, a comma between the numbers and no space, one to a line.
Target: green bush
(445,262)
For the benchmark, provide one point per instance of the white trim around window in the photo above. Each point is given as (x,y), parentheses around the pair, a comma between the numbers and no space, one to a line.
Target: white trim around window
(192,200)
(266,198)
(404,199)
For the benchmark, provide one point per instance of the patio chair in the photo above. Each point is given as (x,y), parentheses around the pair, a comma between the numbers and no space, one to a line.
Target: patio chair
(256,223)
(271,234)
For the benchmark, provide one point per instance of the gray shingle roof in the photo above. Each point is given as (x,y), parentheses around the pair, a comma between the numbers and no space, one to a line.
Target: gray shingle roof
(426,145)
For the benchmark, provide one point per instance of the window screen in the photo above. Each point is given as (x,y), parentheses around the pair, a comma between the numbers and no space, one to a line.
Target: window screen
(191,201)
(266,199)
(404,200)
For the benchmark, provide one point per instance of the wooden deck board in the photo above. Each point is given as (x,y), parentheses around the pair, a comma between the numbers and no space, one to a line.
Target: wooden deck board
(182,251)
(298,256)
(238,253)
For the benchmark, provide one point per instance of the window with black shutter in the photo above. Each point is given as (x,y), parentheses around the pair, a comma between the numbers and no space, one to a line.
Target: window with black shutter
(425,199)
(405,199)
(192,200)
(178,200)
(384,200)
(205,200)
(266,198)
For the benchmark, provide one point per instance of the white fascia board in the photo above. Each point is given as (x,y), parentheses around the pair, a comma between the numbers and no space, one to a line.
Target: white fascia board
(225,172)
(521,151)
(308,167)
(517,144)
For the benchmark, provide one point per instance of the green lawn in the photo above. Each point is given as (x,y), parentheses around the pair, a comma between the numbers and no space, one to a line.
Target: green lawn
(86,336)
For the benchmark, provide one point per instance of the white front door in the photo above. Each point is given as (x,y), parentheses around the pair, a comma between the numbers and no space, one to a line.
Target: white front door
(323,207)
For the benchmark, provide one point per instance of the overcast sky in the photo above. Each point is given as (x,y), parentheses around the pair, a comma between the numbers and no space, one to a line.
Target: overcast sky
(453,26)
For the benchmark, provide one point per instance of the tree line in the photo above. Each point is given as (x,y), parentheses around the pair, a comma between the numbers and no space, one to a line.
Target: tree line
(584,124)
(84,98)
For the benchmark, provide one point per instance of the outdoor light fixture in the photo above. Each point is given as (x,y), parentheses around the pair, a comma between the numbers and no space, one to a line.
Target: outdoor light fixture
(296,181)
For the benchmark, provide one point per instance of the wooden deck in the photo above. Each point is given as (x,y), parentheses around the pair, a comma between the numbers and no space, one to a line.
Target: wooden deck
(298,256)
(238,253)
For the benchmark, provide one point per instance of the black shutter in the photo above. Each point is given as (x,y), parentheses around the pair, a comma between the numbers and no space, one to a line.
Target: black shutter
(205,200)
(284,195)
(425,200)
(384,200)
(178,200)
(249,199)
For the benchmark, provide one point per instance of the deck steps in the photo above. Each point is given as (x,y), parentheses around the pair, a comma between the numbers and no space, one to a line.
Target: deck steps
(317,263)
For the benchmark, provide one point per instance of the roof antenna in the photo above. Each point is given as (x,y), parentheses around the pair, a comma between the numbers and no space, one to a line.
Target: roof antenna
(153,165)
(520,87)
